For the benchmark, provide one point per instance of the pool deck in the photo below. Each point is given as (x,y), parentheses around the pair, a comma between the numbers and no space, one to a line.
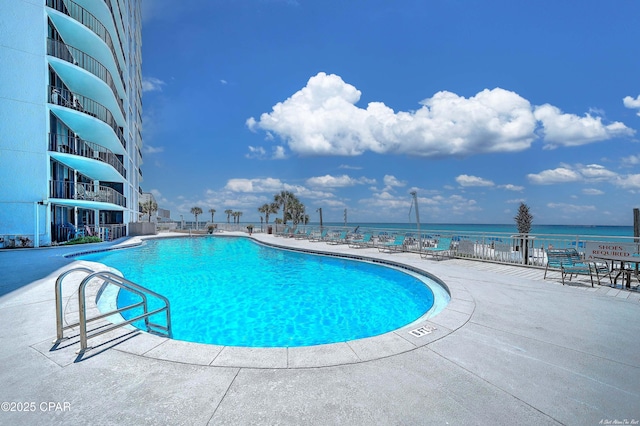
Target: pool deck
(510,348)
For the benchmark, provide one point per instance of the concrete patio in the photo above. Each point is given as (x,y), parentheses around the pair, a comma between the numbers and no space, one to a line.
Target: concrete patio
(510,348)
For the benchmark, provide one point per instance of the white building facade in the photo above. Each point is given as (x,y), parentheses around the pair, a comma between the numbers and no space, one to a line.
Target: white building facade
(70,119)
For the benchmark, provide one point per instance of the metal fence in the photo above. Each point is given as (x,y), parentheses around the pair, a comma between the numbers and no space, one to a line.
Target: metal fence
(494,247)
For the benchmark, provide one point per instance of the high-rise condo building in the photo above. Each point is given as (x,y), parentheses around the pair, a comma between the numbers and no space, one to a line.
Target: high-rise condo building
(70,119)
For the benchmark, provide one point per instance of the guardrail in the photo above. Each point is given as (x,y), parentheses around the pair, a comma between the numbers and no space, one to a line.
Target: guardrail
(486,246)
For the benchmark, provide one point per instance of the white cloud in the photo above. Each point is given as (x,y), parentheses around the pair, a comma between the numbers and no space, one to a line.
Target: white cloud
(148,149)
(631,160)
(152,84)
(510,187)
(392,181)
(571,130)
(322,119)
(632,103)
(466,180)
(559,175)
(223,81)
(596,172)
(158,196)
(271,186)
(570,208)
(582,173)
(254,185)
(348,167)
(338,181)
(256,152)
(279,153)
(629,181)
(592,191)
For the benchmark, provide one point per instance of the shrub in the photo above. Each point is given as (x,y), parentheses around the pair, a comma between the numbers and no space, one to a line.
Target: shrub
(83,240)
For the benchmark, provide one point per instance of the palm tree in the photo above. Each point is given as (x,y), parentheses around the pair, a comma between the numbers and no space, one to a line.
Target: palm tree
(212,211)
(148,207)
(264,209)
(296,211)
(236,216)
(283,199)
(268,209)
(196,211)
(228,212)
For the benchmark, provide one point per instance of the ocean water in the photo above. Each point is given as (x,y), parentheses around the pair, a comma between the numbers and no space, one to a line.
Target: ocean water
(567,230)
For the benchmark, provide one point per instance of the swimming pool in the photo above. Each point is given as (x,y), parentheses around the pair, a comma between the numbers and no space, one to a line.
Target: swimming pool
(232,291)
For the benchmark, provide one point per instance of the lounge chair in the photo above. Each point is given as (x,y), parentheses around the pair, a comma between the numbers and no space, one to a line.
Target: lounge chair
(442,246)
(319,237)
(362,242)
(396,245)
(339,239)
(571,263)
(284,232)
(303,235)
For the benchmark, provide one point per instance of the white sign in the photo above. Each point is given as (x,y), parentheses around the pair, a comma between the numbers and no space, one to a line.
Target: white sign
(594,249)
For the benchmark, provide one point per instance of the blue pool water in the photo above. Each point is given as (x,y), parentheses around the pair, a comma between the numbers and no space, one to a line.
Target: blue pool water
(234,292)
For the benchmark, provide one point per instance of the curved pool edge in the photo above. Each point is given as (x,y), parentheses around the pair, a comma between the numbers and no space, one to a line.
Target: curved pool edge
(415,335)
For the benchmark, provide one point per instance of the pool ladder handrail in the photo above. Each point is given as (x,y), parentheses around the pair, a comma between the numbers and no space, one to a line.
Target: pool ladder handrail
(111,278)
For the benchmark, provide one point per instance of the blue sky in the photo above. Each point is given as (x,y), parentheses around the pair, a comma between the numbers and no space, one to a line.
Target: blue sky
(476,105)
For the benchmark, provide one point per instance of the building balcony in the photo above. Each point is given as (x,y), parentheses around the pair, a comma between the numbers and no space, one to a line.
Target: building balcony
(74,103)
(86,195)
(80,59)
(72,147)
(78,38)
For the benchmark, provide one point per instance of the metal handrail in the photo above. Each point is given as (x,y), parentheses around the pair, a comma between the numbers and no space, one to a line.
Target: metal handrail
(123,283)
(58,289)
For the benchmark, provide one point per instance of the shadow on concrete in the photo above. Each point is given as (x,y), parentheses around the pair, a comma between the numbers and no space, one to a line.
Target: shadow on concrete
(21,267)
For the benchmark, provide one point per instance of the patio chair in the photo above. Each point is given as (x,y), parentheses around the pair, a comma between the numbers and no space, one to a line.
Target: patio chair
(74,232)
(442,246)
(303,235)
(362,242)
(319,237)
(571,263)
(339,239)
(396,245)
(284,232)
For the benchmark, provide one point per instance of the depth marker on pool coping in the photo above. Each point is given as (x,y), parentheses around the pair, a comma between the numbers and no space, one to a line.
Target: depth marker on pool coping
(422,331)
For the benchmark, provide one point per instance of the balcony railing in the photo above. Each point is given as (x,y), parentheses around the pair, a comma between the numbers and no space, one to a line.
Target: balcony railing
(87,19)
(106,232)
(73,145)
(115,24)
(77,57)
(68,190)
(66,98)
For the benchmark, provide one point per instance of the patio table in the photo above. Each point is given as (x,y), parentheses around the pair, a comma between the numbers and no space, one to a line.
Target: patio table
(626,272)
